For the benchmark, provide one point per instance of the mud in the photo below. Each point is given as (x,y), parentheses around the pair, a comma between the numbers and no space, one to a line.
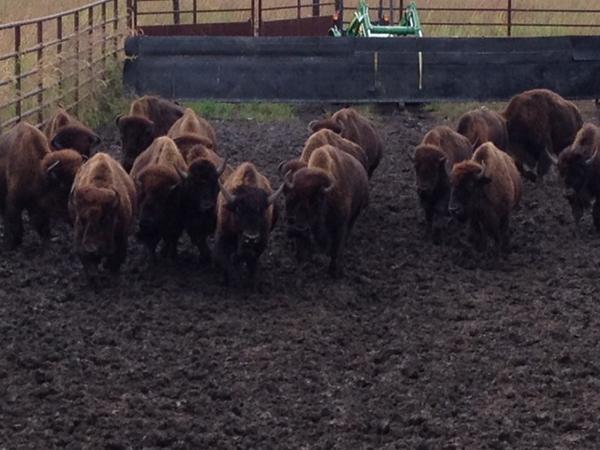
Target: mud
(418,346)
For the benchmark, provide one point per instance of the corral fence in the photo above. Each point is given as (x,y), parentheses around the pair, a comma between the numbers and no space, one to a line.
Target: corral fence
(494,18)
(58,59)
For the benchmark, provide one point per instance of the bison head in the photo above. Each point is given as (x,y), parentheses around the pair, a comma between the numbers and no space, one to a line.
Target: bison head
(96,216)
(328,123)
(202,188)
(249,206)
(430,169)
(137,134)
(159,192)
(467,181)
(575,164)
(77,138)
(59,169)
(305,200)
(193,146)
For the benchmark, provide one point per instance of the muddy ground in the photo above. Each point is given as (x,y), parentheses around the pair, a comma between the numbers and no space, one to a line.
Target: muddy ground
(417,347)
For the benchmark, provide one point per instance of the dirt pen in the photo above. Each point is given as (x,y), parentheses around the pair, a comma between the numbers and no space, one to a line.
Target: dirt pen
(418,346)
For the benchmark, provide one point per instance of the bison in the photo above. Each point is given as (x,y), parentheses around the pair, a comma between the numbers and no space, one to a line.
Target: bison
(439,150)
(246,214)
(159,173)
(540,125)
(149,117)
(579,168)
(322,202)
(318,139)
(102,206)
(191,129)
(349,124)
(64,131)
(33,178)
(483,125)
(485,190)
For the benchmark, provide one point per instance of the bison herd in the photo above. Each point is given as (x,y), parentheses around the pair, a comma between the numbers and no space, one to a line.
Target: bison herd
(173,180)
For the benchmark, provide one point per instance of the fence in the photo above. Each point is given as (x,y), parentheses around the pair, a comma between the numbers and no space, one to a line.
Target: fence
(439,17)
(233,17)
(62,58)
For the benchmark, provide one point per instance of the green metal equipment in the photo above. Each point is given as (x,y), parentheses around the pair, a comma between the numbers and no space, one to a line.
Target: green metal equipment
(410,24)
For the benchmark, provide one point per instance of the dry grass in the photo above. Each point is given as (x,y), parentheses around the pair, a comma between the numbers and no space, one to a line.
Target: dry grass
(13,10)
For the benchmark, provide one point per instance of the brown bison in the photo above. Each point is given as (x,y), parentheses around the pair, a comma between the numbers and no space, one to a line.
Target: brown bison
(149,117)
(33,178)
(196,140)
(483,125)
(351,125)
(64,131)
(579,167)
(540,125)
(485,190)
(191,129)
(159,173)
(439,150)
(246,214)
(322,202)
(102,205)
(319,139)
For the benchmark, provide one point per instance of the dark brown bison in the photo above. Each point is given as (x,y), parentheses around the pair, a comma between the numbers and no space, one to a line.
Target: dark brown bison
(579,168)
(484,125)
(246,214)
(102,205)
(439,150)
(159,173)
(191,129)
(149,117)
(322,202)
(349,124)
(196,140)
(64,131)
(540,125)
(33,178)
(485,190)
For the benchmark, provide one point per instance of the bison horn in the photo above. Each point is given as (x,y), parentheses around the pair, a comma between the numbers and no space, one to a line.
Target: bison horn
(287,180)
(329,187)
(222,167)
(182,174)
(551,156)
(311,125)
(280,167)
(226,194)
(590,160)
(482,172)
(275,194)
(52,166)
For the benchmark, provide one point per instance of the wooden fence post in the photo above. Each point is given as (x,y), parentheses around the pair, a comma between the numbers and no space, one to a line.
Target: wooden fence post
(391,11)
(509,18)
(76,59)
(195,6)
(18,105)
(176,9)
(59,48)
(299,3)
(116,24)
(40,56)
(316,9)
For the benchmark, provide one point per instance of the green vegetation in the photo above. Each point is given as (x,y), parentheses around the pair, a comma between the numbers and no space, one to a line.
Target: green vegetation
(262,112)
(452,110)
(106,100)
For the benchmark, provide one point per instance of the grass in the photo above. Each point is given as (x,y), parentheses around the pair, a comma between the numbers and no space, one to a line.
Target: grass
(451,111)
(262,112)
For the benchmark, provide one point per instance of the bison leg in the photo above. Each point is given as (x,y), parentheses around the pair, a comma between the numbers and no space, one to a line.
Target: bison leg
(596,214)
(41,222)
(337,245)
(476,235)
(169,249)
(199,240)
(115,260)
(13,224)
(224,256)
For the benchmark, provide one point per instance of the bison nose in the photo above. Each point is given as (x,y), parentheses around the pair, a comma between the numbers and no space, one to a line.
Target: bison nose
(251,237)
(207,205)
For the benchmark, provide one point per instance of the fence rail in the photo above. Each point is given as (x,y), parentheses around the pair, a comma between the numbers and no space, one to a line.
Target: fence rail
(62,58)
